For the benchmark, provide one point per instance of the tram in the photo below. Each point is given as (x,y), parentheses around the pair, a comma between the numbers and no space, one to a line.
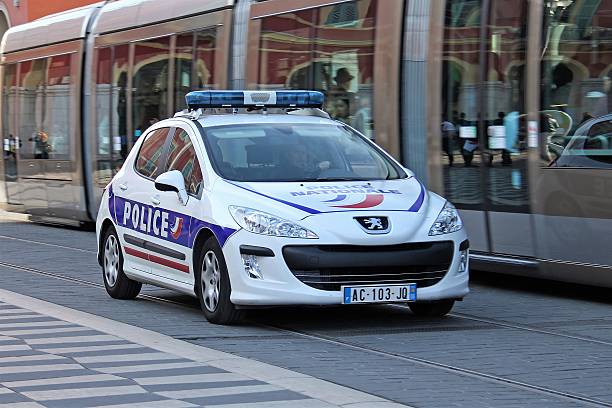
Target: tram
(499,105)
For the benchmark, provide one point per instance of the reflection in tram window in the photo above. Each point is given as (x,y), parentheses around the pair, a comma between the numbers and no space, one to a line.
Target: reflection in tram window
(576,78)
(150,83)
(119,77)
(461,156)
(328,48)
(57,125)
(505,149)
(483,118)
(205,59)
(32,110)
(183,67)
(10,142)
(105,146)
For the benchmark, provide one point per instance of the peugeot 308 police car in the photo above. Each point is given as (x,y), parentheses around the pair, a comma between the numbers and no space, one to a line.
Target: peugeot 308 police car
(264,209)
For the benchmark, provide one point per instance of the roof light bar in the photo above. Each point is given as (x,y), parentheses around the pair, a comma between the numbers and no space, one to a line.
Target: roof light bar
(245,99)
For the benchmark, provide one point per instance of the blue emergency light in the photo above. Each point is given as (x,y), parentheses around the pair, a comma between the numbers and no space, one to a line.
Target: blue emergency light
(251,99)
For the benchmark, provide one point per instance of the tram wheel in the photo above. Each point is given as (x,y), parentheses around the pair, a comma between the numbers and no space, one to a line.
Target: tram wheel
(436,308)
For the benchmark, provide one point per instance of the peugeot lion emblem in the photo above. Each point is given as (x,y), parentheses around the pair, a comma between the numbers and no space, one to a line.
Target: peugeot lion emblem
(374,225)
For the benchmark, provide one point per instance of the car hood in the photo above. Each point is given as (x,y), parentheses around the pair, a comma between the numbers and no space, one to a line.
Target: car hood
(311,198)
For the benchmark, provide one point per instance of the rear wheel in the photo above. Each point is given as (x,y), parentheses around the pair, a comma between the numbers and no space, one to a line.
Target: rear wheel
(437,308)
(213,285)
(117,284)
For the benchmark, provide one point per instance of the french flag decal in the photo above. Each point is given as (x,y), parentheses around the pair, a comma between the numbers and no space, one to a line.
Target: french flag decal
(177,227)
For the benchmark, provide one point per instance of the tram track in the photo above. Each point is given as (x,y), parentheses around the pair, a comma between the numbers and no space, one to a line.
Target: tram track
(491,378)
(492,322)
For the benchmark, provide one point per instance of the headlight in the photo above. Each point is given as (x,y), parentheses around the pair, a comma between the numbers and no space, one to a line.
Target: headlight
(263,223)
(448,221)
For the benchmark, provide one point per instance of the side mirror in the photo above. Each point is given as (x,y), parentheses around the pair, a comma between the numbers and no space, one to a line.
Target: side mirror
(173,181)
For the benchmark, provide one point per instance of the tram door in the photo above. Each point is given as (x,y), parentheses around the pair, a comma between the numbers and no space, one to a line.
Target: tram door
(574,184)
(10,142)
(484,146)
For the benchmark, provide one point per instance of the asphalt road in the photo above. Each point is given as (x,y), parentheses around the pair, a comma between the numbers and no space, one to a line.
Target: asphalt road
(511,343)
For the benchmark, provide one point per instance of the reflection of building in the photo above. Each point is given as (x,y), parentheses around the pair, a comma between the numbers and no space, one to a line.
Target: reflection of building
(14,13)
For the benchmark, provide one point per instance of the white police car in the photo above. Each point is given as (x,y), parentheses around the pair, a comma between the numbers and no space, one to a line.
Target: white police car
(260,209)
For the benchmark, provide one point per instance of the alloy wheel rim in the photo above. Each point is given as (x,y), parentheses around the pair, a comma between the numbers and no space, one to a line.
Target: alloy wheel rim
(211,276)
(111,260)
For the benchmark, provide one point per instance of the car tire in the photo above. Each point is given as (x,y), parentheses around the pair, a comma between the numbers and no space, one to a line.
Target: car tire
(436,308)
(117,284)
(213,286)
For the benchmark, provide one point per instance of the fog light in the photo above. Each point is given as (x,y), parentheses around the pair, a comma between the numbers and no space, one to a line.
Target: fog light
(251,266)
(463,261)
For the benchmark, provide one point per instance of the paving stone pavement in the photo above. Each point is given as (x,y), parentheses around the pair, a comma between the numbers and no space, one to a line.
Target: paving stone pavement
(563,364)
(47,361)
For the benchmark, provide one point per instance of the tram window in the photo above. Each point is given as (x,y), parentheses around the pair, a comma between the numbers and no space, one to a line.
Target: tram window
(205,59)
(106,147)
(9,103)
(182,157)
(149,160)
(150,83)
(58,107)
(35,143)
(460,151)
(328,48)
(119,78)
(183,67)
(576,79)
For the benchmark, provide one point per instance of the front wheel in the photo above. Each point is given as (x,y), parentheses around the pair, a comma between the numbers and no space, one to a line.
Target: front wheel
(117,284)
(213,285)
(436,308)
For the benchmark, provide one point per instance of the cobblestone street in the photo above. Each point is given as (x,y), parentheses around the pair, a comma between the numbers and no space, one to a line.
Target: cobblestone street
(506,345)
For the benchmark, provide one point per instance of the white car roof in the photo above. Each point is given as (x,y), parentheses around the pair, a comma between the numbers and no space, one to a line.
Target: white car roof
(250,118)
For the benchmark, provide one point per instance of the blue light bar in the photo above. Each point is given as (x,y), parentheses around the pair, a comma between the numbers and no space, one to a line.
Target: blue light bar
(246,99)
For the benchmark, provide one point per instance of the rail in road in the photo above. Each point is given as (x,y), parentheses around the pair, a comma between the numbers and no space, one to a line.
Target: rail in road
(377,344)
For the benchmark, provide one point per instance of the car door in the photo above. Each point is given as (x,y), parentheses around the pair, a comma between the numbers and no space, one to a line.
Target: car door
(138,215)
(170,250)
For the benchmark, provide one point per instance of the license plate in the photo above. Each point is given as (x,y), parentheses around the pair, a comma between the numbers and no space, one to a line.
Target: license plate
(379,294)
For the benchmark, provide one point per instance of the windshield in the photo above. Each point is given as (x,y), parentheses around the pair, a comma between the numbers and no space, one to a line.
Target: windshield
(295,152)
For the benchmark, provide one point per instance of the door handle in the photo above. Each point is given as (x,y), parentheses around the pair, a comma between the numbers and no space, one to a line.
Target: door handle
(58,166)
(123,187)
(155,200)
(31,165)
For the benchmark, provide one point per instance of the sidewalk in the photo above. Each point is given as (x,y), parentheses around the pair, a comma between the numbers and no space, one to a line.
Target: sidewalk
(53,356)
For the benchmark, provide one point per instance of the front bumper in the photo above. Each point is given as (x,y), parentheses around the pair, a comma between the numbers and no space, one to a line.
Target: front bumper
(280,286)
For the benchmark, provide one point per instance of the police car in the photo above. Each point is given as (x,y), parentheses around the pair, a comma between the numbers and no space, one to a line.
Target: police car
(245,209)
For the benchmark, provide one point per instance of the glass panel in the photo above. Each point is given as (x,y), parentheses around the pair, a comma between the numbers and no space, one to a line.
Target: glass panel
(328,48)
(344,61)
(119,78)
(504,110)
(183,66)
(150,83)
(182,157)
(296,152)
(10,142)
(195,183)
(149,161)
(58,107)
(205,59)
(459,122)
(31,118)
(105,147)
(576,81)
(285,51)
